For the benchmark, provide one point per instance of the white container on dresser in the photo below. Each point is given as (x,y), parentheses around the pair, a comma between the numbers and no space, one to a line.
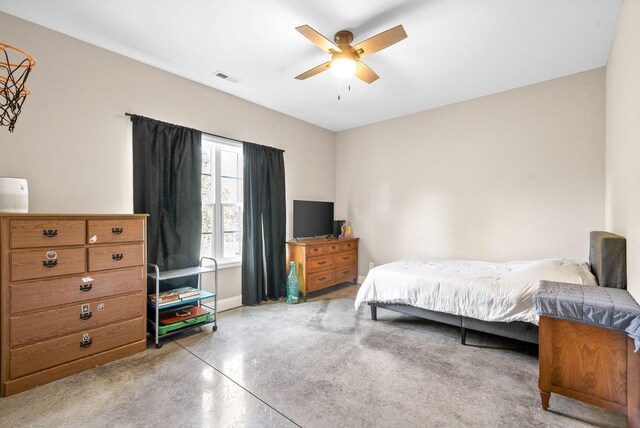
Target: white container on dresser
(72,294)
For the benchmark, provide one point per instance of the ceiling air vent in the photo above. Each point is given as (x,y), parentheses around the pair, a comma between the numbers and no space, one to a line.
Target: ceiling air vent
(225,76)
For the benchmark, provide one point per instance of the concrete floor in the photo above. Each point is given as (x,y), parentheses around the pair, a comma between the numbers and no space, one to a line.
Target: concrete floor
(316,364)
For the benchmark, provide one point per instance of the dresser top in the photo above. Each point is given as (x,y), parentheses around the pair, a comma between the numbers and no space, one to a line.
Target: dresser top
(320,241)
(60,215)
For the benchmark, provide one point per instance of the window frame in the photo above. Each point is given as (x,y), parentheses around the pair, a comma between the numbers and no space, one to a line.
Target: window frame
(216,145)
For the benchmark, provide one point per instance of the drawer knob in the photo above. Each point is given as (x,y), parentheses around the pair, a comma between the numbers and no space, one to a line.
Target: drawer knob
(117,230)
(86,287)
(322,279)
(49,263)
(86,341)
(49,233)
(117,256)
(322,263)
(86,315)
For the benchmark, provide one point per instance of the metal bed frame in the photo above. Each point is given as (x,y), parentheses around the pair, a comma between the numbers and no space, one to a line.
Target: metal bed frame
(607,258)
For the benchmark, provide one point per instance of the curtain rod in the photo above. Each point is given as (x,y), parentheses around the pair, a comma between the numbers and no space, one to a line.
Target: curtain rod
(206,133)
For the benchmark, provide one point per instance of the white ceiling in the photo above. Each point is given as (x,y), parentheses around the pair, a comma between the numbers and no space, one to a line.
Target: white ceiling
(455,50)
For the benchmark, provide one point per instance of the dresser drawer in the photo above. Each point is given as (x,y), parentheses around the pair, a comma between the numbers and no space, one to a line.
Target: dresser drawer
(320,280)
(115,256)
(315,264)
(333,248)
(317,250)
(46,233)
(346,273)
(67,319)
(115,230)
(345,259)
(43,355)
(29,296)
(47,263)
(349,246)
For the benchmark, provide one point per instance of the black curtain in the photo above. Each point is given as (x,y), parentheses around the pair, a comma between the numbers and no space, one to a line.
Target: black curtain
(167,164)
(264,222)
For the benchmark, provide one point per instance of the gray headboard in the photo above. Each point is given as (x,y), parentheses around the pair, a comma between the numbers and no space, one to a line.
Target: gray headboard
(608,259)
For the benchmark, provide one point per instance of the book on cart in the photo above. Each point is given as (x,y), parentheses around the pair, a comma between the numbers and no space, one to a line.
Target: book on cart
(164,298)
(186,293)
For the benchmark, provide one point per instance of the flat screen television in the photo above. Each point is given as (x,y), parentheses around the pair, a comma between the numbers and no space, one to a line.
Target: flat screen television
(312,218)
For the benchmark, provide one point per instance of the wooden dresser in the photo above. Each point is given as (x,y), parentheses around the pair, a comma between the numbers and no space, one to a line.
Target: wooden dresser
(324,262)
(72,294)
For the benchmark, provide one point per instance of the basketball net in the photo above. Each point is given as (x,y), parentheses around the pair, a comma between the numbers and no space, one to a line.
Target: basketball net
(13,75)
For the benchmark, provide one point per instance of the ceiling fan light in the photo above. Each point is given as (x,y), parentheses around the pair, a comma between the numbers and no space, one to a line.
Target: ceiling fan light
(343,67)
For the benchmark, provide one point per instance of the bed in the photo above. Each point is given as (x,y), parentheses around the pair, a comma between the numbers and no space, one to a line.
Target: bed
(495,298)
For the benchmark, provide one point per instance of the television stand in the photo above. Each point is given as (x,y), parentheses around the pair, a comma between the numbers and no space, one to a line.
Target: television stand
(324,262)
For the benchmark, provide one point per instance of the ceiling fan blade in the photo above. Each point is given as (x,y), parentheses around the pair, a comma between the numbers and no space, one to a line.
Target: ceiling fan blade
(364,73)
(380,41)
(318,39)
(315,70)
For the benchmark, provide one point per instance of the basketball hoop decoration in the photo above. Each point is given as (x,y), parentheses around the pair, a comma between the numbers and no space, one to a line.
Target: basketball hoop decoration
(15,66)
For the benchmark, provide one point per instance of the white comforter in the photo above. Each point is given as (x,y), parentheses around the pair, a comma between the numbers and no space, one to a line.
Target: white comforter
(482,290)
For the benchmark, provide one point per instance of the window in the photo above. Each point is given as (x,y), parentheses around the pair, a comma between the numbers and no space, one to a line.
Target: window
(221,199)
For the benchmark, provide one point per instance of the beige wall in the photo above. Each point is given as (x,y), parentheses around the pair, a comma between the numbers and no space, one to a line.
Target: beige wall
(515,175)
(73,143)
(623,138)
(509,176)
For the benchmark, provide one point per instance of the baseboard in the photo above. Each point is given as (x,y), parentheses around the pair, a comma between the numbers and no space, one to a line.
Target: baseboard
(229,303)
(236,301)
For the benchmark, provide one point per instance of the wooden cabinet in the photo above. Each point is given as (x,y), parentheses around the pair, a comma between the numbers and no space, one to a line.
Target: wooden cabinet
(590,364)
(324,262)
(72,294)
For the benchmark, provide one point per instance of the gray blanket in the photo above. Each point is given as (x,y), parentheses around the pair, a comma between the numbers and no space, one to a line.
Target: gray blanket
(610,308)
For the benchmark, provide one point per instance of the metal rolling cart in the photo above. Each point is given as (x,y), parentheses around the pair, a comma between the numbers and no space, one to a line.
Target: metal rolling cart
(153,314)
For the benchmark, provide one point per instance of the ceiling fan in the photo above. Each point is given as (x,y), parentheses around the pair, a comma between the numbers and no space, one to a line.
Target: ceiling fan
(345,59)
